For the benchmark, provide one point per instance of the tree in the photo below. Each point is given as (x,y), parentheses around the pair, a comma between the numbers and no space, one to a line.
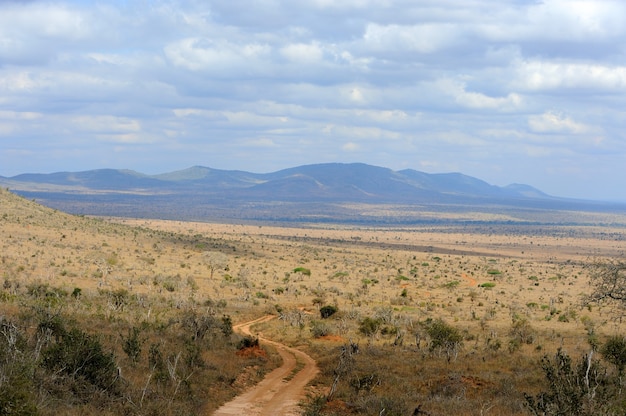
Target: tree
(131,344)
(574,388)
(608,280)
(614,351)
(215,260)
(444,338)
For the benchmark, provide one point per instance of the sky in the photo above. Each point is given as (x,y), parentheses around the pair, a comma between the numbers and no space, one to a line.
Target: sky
(507,91)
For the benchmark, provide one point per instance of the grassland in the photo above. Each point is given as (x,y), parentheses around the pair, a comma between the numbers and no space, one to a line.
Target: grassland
(513,294)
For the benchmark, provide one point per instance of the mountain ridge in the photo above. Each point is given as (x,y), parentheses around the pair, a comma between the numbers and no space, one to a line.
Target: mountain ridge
(371,180)
(354,192)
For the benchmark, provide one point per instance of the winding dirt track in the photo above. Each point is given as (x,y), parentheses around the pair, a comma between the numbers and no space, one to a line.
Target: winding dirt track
(273,395)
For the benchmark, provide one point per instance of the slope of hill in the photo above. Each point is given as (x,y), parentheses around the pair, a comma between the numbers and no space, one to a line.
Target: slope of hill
(338,190)
(331,181)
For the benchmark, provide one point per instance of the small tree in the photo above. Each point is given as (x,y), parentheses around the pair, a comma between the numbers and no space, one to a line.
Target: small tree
(444,338)
(608,280)
(132,344)
(614,351)
(573,388)
(215,260)
(17,389)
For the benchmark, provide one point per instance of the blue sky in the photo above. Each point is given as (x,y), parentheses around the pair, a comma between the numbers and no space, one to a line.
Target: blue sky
(507,91)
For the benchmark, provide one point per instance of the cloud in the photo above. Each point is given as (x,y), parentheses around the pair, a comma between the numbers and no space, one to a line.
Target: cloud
(423,38)
(456,84)
(476,100)
(225,58)
(350,147)
(262,142)
(546,75)
(302,53)
(550,122)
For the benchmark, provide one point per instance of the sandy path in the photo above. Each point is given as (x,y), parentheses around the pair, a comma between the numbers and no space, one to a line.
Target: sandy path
(273,395)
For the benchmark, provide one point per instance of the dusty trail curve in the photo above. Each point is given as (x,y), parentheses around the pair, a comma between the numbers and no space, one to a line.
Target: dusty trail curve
(274,395)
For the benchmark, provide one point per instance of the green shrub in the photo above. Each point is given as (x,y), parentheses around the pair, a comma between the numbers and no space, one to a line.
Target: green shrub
(581,388)
(521,332)
(248,341)
(369,326)
(327,311)
(302,270)
(614,351)
(132,343)
(451,285)
(17,390)
(319,329)
(80,356)
(443,338)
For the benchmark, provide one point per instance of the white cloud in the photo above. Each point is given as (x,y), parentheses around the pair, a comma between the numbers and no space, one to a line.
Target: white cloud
(43,20)
(303,53)
(555,20)
(551,122)
(350,147)
(111,129)
(476,100)
(20,115)
(357,95)
(578,19)
(424,38)
(262,142)
(223,56)
(543,75)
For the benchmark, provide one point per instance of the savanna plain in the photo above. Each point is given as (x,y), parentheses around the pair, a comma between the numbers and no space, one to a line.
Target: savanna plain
(135,316)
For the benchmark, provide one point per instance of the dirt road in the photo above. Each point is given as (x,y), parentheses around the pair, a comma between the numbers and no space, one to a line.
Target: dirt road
(280,391)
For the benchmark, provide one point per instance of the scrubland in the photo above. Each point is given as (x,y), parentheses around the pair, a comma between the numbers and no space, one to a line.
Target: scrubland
(431,319)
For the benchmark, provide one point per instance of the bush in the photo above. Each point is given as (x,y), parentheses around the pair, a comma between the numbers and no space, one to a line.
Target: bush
(80,356)
(579,389)
(444,338)
(206,326)
(302,270)
(521,332)
(16,369)
(131,344)
(614,351)
(327,311)
(369,326)
(248,342)
(319,329)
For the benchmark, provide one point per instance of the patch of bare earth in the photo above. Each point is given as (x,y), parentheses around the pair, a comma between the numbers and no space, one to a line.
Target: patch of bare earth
(280,391)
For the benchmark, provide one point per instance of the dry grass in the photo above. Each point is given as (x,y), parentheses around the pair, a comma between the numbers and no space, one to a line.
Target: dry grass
(401,276)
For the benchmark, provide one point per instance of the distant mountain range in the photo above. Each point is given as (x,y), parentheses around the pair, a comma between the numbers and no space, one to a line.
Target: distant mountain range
(317,192)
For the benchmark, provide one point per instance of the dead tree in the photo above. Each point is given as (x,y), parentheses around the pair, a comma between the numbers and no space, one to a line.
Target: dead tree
(608,280)
(344,366)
